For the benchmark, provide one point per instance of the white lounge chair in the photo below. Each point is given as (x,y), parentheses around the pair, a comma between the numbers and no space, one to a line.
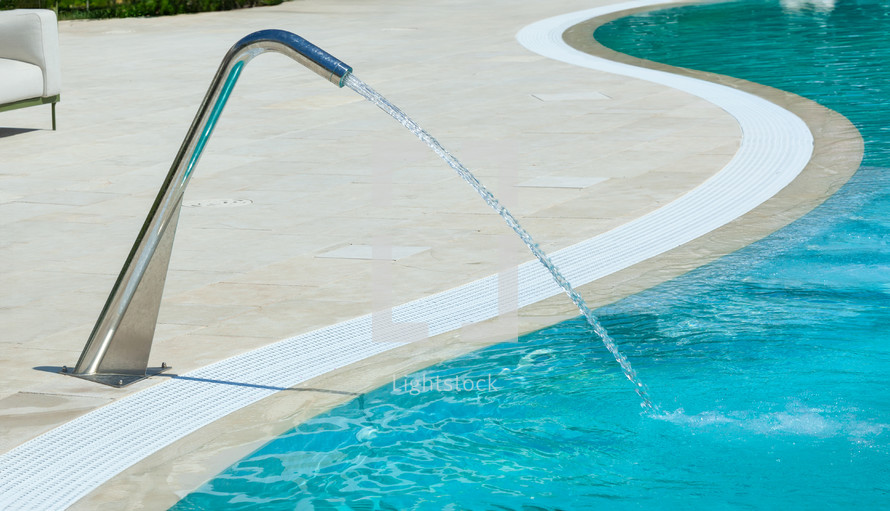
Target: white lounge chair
(29,59)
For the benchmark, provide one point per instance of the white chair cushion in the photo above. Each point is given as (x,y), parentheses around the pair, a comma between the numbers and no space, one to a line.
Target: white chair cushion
(32,36)
(20,80)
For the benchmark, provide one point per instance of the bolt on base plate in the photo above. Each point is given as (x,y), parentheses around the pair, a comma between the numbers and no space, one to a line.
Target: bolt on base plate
(119,380)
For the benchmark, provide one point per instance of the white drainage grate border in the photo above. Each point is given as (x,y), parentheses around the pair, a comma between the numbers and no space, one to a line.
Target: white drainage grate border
(59,467)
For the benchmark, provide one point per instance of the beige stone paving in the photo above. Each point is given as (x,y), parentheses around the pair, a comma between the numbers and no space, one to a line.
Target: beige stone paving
(323,170)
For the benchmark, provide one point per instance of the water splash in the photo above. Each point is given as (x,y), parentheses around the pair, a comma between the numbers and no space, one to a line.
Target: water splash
(371,95)
(796,420)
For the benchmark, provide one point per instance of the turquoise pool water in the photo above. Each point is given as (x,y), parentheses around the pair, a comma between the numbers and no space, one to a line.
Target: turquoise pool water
(773,362)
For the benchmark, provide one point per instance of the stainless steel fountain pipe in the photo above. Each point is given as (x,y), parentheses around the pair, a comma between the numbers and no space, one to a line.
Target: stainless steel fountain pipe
(118,348)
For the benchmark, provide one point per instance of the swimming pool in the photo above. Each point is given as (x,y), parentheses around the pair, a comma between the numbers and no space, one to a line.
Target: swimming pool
(772,362)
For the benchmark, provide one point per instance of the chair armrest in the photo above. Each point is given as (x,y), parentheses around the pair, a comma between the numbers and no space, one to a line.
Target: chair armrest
(32,35)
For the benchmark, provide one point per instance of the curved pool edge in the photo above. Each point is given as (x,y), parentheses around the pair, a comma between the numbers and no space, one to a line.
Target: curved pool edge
(837,153)
(837,145)
(269,405)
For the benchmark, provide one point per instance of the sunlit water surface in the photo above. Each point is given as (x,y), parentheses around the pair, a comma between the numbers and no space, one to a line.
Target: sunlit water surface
(773,363)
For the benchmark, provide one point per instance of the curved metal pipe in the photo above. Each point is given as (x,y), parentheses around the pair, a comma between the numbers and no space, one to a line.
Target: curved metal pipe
(297,48)
(117,350)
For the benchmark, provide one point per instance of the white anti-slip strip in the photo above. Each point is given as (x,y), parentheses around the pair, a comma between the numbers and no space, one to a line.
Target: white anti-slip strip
(59,467)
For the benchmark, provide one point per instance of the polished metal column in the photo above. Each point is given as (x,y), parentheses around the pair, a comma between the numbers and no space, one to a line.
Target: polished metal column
(118,348)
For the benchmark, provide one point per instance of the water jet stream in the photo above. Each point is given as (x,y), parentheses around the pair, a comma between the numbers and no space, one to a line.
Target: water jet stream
(371,95)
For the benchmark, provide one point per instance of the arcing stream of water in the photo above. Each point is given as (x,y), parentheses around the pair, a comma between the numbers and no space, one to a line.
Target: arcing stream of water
(371,95)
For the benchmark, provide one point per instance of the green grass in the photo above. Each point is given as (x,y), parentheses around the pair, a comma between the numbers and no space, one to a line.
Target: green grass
(91,9)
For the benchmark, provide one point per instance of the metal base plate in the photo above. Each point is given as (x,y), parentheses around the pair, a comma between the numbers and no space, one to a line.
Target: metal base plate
(119,380)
